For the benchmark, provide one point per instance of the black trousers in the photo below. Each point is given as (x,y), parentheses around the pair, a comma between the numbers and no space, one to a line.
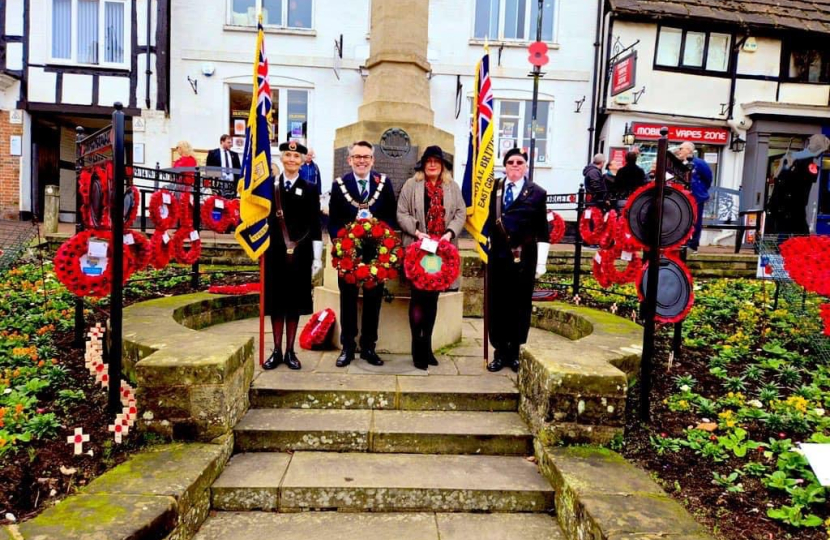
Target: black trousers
(509,304)
(423,310)
(348,315)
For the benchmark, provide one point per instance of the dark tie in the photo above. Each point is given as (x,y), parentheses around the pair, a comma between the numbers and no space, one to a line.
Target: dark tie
(508,198)
(287,185)
(363,191)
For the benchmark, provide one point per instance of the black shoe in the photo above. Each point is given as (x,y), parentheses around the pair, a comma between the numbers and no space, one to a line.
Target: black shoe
(495,365)
(274,360)
(419,359)
(345,358)
(291,360)
(371,356)
(428,351)
(514,365)
(431,359)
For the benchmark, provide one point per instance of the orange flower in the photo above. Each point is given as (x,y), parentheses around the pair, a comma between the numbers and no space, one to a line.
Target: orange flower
(41,363)
(18,409)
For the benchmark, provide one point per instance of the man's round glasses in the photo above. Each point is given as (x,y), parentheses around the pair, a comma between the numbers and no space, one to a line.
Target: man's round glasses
(362,158)
(516,162)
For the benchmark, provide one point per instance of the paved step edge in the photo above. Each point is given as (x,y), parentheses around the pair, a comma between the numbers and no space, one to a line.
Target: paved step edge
(276,398)
(599,495)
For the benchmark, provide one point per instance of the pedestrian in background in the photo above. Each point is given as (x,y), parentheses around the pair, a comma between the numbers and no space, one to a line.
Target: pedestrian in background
(700,185)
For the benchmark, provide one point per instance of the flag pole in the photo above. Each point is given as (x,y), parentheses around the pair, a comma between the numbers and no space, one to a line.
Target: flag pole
(486,316)
(261,310)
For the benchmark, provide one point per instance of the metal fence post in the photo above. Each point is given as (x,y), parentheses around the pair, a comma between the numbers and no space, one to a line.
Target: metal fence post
(117,297)
(649,309)
(580,208)
(80,324)
(197,215)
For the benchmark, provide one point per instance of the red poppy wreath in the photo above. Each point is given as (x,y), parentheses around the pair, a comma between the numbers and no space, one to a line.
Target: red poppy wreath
(432,272)
(186,211)
(164,210)
(557,227)
(807,261)
(599,268)
(366,236)
(182,255)
(596,229)
(140,249)
(316,331)
(161,245)
(632,271)
(217,214)
(83,275)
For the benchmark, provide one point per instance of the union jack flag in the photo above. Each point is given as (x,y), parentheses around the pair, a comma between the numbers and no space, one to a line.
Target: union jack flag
(256,185)
(478,176)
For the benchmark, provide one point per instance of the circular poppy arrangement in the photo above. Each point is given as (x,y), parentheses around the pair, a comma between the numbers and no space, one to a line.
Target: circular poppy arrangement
(679,214)
(217,214)
(632,270)
(366,237)
(432,272)
(675,295)
(807,261)
(162,249)
(140,250)
(83,275)
(186,235)
(557,227)
(596,228)
(316,331)
(164,209)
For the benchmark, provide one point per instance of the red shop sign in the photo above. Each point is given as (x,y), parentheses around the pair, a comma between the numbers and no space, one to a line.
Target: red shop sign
(695,134)
(624,74)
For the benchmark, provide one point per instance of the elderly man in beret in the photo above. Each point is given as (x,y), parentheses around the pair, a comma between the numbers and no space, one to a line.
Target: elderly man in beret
(518,256)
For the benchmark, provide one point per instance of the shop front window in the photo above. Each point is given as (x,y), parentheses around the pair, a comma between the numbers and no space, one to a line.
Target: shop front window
(290,114)
(711,154)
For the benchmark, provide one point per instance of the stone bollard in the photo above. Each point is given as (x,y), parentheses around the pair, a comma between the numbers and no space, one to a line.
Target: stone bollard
(51,209)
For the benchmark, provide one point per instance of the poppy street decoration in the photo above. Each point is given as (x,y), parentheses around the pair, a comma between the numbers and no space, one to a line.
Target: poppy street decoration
(217,214)
(538,54)
(557,227)
(366,252)
(807,261)
(432,272)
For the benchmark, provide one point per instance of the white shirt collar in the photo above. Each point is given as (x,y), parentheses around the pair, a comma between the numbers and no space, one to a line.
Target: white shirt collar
(358,179)
(287,179)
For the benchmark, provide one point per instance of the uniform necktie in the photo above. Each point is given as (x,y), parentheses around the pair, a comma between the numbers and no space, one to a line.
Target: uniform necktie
(508,198)
(363,191)
(288,185)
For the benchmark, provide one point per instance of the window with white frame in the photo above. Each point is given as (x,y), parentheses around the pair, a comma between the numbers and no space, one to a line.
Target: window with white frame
(513,125)
(92,32)
(290,118)
(282,13)
(693,50)
(513,19)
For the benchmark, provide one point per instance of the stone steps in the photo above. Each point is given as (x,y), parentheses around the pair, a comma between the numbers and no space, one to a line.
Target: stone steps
(282,389)
(381,483)
(415,432)
(391,526)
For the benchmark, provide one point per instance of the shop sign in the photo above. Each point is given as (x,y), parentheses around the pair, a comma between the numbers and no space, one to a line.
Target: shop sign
(624,74)
(616,155)
(695,134)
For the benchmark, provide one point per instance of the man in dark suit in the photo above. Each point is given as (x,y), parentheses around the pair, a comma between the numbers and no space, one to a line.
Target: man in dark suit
(224,157)
(518,256)
(360,194)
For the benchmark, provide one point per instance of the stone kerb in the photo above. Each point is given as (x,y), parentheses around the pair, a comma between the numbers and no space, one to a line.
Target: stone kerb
(575,391)
(190,385)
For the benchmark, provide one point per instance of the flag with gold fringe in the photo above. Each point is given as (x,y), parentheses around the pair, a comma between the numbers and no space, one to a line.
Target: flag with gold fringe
(256,186)
(478,176)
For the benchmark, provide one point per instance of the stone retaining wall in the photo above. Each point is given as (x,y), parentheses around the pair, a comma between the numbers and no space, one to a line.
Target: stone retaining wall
(186,392)
(576,391)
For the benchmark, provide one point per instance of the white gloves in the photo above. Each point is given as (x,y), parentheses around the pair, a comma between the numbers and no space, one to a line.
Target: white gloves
(317,264)
(542,258)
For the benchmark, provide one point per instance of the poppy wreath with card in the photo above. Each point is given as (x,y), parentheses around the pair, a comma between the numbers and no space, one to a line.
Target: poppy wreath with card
(557,227)
(186,211)
(633,268)
(316,331)
(233,209)
(164,210)
(599,267)
(432,272)
(596,228)
(186,255)
(162,251)
(141,251)
(217,214)
(68,265)
(361,238)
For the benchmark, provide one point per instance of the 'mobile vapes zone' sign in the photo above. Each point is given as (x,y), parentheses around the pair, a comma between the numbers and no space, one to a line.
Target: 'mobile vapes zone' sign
(624,74)
(695,134)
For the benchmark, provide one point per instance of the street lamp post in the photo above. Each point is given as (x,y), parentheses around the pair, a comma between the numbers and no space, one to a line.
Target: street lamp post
(538,58)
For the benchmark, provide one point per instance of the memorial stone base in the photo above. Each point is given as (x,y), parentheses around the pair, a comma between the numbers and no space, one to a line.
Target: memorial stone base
(393,329)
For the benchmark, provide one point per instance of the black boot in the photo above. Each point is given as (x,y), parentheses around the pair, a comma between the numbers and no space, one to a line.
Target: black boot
(274,360)
(291,360)
(428,351)
(419,357)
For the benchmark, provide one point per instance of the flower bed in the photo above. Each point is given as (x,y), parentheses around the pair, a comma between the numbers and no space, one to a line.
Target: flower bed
(729,413)
(46,391)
